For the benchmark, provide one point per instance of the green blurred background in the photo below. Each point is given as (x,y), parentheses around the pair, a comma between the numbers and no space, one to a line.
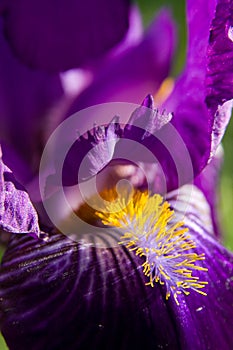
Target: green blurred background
(148,9)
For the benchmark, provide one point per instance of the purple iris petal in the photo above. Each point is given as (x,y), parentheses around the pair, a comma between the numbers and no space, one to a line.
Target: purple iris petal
(147,138)
(17,214)
(187,100)
(192,116)
(134,34)
(150,129)
(56,37)
(203,322)
(138,71)
(27,97)
(147,118)
(87,292)
(102,144)
(20,168)
(197,97)
(219,75)
(80,296)
(95,150)
(208,182)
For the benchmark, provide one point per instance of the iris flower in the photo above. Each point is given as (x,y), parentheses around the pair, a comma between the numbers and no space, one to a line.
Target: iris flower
(152,273)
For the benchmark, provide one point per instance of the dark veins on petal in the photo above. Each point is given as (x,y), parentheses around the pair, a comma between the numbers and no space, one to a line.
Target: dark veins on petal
(78,296)
(202,320)
(206,82)
(220,71)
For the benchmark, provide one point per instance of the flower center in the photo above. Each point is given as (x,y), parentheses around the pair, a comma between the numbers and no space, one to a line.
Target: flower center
(149,228)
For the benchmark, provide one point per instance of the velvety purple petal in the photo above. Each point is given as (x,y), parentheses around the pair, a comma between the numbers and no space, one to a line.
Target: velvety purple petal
(205,323)
(145,141)
(74,81)
(66,285)
(49,288)
(17,214)
(147,118)
(187,100)
(221,119)
(220,56)
(89,154)
(147,129)
(20,168)
(26,99)
(220,67)
(98,146)
(138,71)
(147,138)
(133,35)
(99,151)
(208,182)
(194,101)
(64,36)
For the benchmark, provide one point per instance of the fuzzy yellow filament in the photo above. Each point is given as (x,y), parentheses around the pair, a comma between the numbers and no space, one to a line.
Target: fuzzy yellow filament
(149,228)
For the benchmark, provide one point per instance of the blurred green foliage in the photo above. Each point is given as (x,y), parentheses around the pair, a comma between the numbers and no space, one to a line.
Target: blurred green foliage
(2,344)
(150,7)
(226,188)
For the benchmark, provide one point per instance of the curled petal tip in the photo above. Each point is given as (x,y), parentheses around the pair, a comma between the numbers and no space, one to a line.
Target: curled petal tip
(91,152)
(148,102)
(17,214)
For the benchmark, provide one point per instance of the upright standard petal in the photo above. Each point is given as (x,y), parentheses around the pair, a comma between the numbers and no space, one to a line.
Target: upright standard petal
(27,97)
(199,99)
(137,71)
(219,75)
(147,138)
(17,214)
(92,293)
(220,68)
(154,138)
(66,35)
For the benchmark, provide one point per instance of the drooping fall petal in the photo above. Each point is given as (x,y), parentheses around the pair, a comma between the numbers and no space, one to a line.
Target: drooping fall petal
(61,283)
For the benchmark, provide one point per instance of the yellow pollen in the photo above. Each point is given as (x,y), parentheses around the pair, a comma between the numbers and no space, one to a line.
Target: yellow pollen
(149,229)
